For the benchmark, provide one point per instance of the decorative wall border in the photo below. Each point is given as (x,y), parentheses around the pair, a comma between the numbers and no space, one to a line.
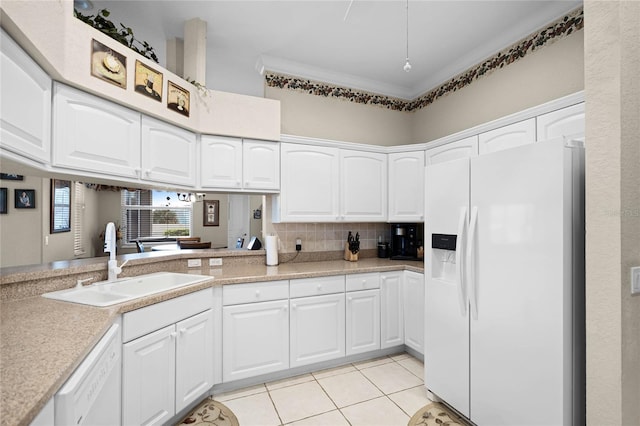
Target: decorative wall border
(562,27)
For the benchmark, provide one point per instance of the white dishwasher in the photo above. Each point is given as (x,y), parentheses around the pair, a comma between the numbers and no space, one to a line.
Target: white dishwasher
(91,396)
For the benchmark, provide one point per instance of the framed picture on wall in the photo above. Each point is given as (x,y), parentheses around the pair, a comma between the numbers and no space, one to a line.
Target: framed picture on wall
(211,213)
(148,81)
(25,198)
(11,176)
(177,98)
(3,200)
(108,65)
(60,213)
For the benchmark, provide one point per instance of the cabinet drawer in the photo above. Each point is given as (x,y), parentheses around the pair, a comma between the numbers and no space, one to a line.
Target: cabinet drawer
(316,286)
(145,320)
(236,294)
(366,281)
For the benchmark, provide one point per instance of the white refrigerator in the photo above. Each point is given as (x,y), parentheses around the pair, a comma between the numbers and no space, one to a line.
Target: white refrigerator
(504,290)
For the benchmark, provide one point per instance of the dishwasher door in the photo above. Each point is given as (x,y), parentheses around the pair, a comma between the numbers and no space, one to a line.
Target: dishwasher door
(91,396)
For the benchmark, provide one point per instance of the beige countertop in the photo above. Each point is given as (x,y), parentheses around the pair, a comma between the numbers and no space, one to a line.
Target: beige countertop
(42,341)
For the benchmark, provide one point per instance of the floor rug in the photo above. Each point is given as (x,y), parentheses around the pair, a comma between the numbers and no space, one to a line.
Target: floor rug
(210,412)
(435,414)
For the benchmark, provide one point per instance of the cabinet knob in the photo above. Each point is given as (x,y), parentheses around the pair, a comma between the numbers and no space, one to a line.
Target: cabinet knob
(349,299)
(257,293)
(147,172)
(319,286)
(246,184)
(173,334)
(364,283)
(183,330)
(285,308)
(293,307)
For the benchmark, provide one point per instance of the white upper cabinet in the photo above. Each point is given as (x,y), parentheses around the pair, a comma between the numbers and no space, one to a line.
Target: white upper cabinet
(220,162)
(25,104)
(406,186)
(516,134)
(567,121)
(231,163)
(363,186)
(309,189)
(168,153)
(464,148)
(95,135)
(260,164)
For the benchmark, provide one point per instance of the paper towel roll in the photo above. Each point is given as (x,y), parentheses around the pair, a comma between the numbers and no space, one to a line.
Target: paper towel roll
(271,245)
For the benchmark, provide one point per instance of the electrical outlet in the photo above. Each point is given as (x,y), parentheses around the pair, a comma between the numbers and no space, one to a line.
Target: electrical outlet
(215,261)
(635,280)
(194,263)
(298,244)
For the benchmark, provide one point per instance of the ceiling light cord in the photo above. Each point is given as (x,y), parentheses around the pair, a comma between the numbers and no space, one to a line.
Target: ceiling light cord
(407,65)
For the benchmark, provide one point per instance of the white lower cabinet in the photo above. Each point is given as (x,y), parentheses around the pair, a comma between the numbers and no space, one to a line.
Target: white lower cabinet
(317,325)
(255,339)
(148,385)
(414,310)
(165,369)
(391,310)
(363,321)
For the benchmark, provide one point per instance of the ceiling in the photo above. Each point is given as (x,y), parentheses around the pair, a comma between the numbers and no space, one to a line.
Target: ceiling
(360,43)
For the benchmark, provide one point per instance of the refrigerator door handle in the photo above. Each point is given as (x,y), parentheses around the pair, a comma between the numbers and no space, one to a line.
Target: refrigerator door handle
(460,249)
(471,264)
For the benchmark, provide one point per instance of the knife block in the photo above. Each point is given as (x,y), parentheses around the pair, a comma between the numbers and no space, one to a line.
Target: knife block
(348,256)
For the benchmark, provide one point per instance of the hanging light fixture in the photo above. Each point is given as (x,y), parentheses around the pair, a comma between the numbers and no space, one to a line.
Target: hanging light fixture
(407,65)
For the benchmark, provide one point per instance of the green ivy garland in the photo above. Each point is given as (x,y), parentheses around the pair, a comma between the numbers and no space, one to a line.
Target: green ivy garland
(123,35)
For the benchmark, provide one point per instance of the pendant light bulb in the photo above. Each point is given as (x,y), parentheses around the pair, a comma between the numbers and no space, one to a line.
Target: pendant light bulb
(407,65)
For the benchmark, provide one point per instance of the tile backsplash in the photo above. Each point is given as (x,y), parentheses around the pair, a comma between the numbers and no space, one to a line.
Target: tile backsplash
(318,237)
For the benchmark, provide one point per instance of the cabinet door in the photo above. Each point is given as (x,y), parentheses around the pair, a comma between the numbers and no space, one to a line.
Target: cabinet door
(255,339)
(260,165)
(309,189)
(317,329)
(168,153)
(220,162)
(194,355)
(563,122)
(516,134)
(148,380)
(363,321)
(464,148)
(363,186)
(391,310)
(406,186)
(25,105)
(95,135)
(414,310)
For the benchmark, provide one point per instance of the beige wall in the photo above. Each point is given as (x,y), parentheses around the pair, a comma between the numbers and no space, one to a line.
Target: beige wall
(337,119)
(21,229)
(612,66)
(543,75)
(546,74)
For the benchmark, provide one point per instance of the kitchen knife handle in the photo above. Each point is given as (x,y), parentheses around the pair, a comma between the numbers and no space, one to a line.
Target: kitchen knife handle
(471,263)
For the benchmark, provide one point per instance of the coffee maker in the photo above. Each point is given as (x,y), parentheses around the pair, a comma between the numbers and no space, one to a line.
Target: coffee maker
(405,240)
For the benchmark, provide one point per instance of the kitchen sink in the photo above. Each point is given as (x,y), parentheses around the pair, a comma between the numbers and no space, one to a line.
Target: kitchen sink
(106,293)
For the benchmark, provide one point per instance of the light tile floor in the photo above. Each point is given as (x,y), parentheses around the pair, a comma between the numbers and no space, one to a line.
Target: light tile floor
(385,391)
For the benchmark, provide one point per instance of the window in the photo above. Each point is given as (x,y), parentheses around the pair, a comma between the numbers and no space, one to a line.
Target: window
(154,215)
(78,219)
(60,206)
